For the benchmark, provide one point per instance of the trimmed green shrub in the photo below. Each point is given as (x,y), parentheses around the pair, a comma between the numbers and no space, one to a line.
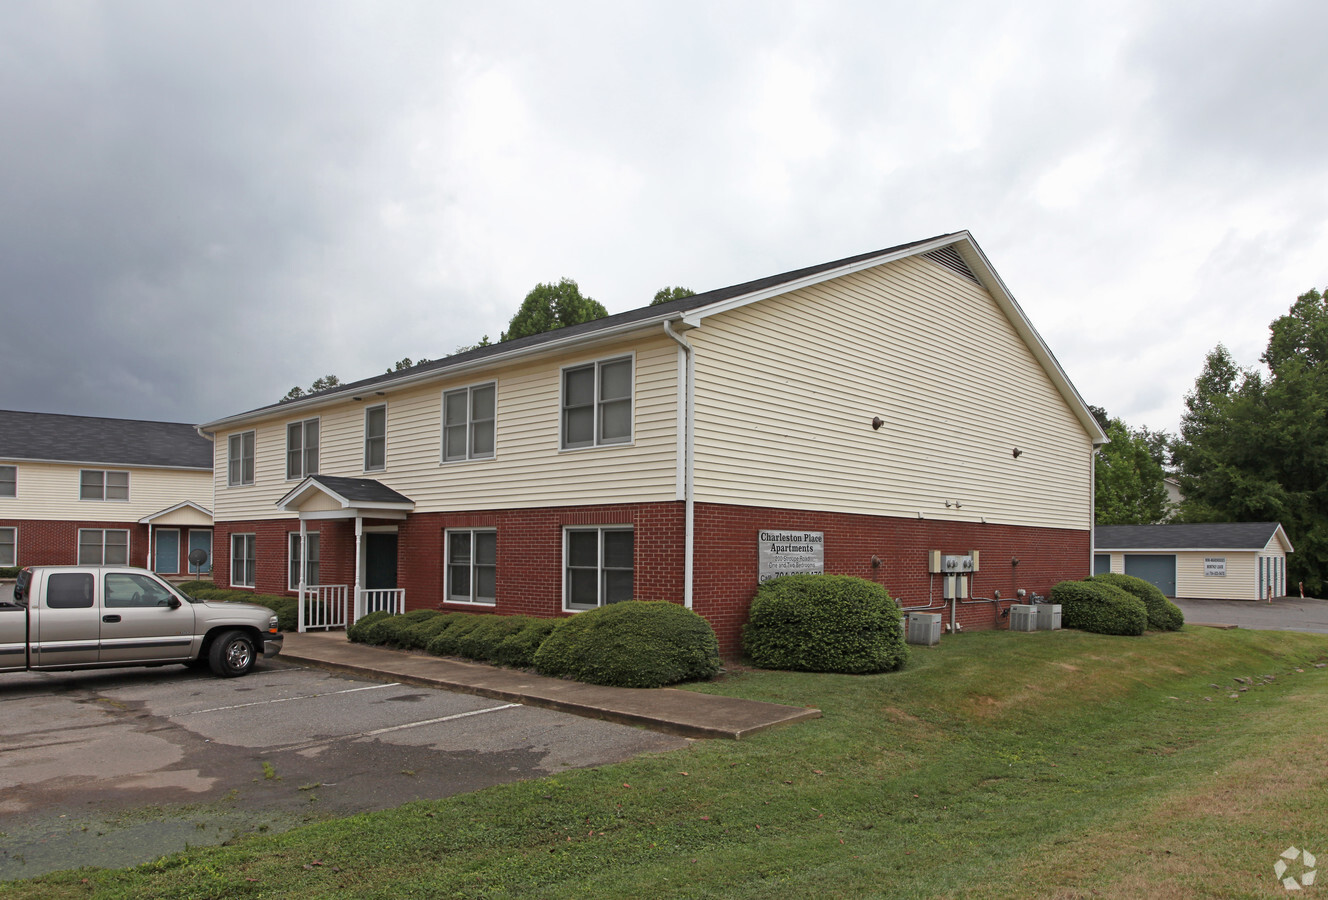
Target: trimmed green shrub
(417,636)
(518,650)
(393,630)
(448,641)
(634,643)
(1163,615)
(1099,607)
(362,631)
(10,571)
(824,623)
(483,640)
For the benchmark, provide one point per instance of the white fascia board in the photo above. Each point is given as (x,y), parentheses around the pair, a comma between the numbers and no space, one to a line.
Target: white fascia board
(8,460)
(1168,551)
(170,509)
(354,512)
(302,490)
(1286,541)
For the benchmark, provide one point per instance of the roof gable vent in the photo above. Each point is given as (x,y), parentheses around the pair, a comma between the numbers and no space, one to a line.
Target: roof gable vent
(950,258)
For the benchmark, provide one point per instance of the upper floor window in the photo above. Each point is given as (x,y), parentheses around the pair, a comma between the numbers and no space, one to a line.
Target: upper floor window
(468,422)
(240,459)
(100,484)
(302,448)
(597,403)
(375,438)
(8,481)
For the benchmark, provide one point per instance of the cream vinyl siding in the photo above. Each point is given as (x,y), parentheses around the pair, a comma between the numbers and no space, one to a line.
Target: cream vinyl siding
(1240,583)
(186,516)
(50,491)
(527,470)
(786,390)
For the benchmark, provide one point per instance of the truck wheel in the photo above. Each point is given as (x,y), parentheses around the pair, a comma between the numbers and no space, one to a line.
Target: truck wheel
(231,654)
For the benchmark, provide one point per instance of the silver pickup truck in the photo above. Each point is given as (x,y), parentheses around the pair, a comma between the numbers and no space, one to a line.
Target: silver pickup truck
(92,617)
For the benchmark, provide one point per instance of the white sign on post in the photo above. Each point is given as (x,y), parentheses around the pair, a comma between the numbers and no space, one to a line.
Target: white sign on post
(1215,565)
(789,553)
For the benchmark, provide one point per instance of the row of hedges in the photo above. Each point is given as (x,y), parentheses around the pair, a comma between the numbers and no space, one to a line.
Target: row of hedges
(1113,603)
(630,644)
(286,608)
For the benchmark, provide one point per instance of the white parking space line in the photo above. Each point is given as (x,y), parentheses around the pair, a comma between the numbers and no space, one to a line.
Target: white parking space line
(377,731)
(372,687)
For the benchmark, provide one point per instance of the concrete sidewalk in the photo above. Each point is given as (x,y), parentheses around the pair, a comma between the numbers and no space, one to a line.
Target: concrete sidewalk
(684,713)
(1283,614)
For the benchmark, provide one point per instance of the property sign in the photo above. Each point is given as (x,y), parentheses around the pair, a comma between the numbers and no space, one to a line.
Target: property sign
(789,553)
(1215,565)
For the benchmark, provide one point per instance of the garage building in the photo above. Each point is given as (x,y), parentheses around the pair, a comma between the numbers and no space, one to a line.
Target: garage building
(1210,560)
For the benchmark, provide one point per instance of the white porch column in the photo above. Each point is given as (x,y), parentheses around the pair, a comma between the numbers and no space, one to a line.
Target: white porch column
(151,556)
(304,572)
(359,533)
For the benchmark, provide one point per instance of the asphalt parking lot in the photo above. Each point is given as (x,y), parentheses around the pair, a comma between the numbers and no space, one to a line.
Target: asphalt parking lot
(118,767)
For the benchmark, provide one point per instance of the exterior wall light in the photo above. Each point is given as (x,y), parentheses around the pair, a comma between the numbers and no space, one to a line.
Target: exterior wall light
(877,423)
(1018,453)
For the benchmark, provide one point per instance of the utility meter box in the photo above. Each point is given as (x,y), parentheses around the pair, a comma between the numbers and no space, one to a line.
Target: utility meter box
(923,628)
(1048,616)
(949,564)
(1023,617)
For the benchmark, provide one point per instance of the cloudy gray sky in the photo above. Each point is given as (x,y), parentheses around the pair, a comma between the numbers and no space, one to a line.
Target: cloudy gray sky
(205,203)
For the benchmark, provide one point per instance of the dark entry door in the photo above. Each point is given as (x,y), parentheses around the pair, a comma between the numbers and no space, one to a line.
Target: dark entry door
(1159,570)
(380,561)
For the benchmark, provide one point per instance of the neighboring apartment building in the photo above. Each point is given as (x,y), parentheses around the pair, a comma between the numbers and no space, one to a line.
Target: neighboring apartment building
(90,490)
(849,416)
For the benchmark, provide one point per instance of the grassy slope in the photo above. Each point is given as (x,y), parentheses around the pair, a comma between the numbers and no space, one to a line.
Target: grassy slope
(998,765)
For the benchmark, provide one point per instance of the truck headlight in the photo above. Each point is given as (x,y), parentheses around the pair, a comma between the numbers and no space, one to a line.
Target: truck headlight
(272,624)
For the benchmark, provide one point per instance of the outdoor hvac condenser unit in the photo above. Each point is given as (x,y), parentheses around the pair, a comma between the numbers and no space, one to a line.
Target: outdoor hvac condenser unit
(924,628)
(1023,617)
(1048,616)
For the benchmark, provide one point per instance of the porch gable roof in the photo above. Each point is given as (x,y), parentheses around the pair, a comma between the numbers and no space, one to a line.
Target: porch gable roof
(349,497)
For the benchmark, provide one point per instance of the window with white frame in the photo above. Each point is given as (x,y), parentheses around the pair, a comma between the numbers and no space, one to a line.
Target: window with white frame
(598,566)
(8,546)
(597,403)
(8,481)
(240,459)
(375,438)
(103,547)
(243,560)
(294,556)
(469,414)
(472,566)
(101,484)
(302,449)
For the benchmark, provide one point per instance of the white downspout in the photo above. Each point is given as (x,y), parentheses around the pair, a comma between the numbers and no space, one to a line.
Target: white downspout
(687,400)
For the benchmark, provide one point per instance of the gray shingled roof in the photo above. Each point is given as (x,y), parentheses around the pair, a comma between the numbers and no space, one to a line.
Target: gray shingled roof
(89,439)
(360,490)
(686,304)
(1196,536)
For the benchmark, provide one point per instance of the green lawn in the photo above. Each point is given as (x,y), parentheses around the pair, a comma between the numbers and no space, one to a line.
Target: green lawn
(1055,764)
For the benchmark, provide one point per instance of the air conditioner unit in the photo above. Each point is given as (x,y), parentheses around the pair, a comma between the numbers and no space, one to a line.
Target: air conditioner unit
(1023,617)
(923,628)
(1048,616)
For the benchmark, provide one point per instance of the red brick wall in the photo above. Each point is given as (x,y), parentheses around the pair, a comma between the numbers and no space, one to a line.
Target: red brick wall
(55,543)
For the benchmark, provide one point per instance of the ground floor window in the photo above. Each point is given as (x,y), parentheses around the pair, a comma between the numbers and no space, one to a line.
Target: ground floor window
(8,546)
(472,566)
(103,547)
(598,566)
(293,557)
(243,560)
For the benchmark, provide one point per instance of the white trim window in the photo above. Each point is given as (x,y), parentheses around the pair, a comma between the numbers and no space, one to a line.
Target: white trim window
(102,484)
(293,560)
(8,546)
(301,449)
(375,438)
(240,459)
(469,419)
(244,560)
(103,547)
(472,566)
(597,566)
(597,403)
(8,481)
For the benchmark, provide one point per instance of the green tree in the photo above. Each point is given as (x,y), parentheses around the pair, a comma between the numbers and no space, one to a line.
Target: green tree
(320,384)
(1255,448)
(1128,488)
(550,306)
(406,363)
(664,295)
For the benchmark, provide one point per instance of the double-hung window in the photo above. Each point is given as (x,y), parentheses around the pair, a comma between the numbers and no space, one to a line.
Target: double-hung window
(100,484)
(302,449)
(598,566)
(472,566)
(103,547)
(295,558)
(375,438)
(8,481)
(597,403)
(240,459)
(243,560)
(8,546)
(468,422)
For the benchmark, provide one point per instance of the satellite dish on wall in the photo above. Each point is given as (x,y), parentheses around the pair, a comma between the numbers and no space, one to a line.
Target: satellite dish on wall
(198,558)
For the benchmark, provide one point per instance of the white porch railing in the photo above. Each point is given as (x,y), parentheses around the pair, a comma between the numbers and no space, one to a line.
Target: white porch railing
(391,600)
(323,606)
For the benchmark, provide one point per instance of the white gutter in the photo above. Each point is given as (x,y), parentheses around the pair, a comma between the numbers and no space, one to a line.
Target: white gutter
(687,402)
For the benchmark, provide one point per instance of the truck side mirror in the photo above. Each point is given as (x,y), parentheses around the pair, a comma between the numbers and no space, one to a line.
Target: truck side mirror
(174,602)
